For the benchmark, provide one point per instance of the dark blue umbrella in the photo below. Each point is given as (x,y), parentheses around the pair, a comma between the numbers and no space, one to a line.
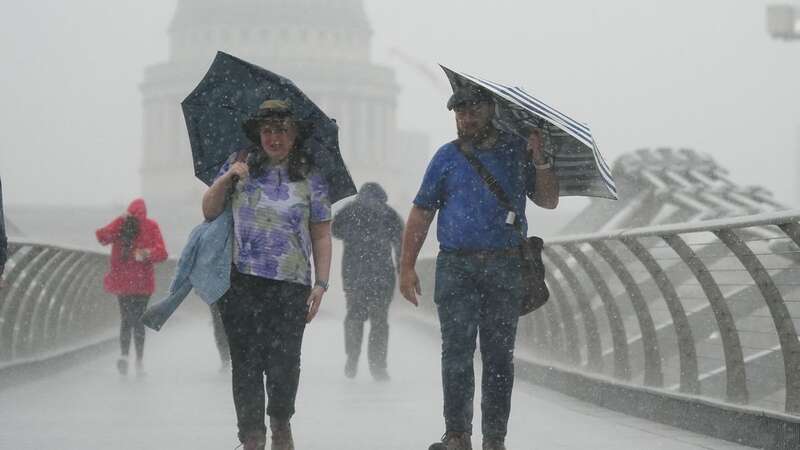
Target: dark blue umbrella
(231,91)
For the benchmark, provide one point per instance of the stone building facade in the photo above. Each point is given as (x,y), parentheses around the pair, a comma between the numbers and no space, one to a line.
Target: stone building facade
(322,45)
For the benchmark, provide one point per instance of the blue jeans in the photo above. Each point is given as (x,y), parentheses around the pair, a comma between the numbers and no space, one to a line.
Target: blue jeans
(478,296)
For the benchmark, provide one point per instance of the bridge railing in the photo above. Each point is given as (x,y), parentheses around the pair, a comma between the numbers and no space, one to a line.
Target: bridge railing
(708,308)
(54,302)
(705,309)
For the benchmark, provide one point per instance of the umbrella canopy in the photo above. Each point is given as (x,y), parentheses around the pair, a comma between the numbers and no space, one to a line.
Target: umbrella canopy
(230,92)
(579,166)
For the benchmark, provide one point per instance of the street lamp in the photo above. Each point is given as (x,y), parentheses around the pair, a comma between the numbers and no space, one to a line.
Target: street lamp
(783,22)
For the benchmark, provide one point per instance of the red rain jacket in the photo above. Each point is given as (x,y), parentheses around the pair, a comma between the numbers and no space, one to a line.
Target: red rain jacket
(128,276)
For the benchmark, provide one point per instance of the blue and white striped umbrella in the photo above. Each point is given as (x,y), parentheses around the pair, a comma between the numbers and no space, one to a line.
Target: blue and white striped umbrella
(579,166)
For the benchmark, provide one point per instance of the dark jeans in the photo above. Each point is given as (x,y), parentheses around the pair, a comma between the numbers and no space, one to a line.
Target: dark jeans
(220,338)
(372,304)
(264,321)
(478,296)
(131,308)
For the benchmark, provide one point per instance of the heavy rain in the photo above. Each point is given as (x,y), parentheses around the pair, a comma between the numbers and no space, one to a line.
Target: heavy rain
(361,224)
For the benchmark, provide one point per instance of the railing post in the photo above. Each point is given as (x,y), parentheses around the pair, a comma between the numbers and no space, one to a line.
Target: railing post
(559,297)
(622,365)
(23,275)
(29,301)
(787,334)
(594,347)
(12,278)
(556,332)
(56,330)
(687,351)
(64,290)
(80,300)
(736,388)
(36,335)
(541,330)
(653,376)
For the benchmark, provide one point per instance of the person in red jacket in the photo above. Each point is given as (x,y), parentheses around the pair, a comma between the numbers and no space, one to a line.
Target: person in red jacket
(136,245)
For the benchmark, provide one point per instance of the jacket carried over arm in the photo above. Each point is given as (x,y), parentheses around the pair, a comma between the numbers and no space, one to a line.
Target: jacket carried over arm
(204,264)
(126,275)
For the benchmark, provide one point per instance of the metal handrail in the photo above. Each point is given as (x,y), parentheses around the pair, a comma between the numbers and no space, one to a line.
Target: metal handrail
(654,307)
(756,220)
(604,270)
(54,301)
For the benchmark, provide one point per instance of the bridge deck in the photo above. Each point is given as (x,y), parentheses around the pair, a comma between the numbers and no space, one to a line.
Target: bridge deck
(184,403)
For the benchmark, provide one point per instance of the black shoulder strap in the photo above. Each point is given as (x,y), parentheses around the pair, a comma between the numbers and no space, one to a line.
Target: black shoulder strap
(466,149)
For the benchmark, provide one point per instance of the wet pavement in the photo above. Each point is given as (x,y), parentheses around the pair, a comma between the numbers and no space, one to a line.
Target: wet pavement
(184,402)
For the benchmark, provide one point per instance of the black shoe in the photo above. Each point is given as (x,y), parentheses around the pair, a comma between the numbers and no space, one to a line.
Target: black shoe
(494,444)
(122,366)
(453,440)
(351,368)
(380,375)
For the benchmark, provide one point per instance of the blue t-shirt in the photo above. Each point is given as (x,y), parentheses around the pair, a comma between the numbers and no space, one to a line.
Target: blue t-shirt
(470,216)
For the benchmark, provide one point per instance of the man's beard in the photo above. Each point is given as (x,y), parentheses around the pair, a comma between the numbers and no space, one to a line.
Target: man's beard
(477,136)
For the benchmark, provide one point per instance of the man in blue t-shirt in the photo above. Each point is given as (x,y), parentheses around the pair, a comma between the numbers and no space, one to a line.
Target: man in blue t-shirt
(478,271)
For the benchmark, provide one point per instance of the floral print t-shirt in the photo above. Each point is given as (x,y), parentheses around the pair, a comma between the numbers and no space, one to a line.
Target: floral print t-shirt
(271,217)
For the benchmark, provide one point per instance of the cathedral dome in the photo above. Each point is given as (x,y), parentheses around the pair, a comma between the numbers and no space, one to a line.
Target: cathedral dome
(323,46)
(335,30)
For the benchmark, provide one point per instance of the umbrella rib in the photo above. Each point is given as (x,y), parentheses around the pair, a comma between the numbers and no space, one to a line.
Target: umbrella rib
(572,126)
(536,102)
(583,136)
(575,128)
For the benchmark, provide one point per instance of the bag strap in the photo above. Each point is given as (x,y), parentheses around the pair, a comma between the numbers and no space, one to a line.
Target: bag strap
(466,149)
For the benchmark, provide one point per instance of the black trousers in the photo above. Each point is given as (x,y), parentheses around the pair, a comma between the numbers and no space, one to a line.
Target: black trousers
(219,334)
(368,304)
(131,308)
(264,321)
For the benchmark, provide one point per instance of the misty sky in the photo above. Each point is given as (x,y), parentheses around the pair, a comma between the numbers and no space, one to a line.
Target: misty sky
(643,73)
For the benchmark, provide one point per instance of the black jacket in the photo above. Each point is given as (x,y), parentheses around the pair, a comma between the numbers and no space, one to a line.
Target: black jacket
(3,239)
(369,229)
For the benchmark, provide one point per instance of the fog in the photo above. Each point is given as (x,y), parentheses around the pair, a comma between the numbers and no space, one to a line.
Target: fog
(704,75)
(642,73)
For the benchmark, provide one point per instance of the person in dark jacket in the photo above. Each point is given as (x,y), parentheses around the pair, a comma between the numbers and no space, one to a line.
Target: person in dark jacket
(370,229)
(136,245)
(3,239)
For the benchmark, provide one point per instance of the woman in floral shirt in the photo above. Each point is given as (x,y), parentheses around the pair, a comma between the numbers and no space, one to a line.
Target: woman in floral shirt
(281,216)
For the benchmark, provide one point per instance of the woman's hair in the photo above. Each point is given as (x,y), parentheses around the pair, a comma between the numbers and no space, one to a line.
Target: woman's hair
(127,235)
(299,159)
(299,164)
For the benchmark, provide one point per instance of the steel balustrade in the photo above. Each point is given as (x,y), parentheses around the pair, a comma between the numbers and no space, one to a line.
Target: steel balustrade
(53,301)
(712,305)
(734,304)
(706,308)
